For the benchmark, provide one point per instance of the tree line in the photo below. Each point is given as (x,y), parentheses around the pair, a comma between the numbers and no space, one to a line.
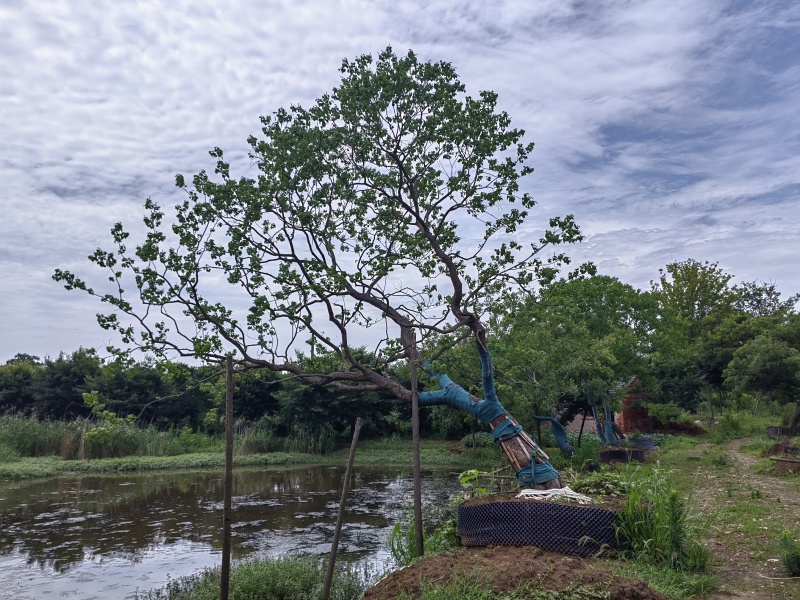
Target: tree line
(693,339)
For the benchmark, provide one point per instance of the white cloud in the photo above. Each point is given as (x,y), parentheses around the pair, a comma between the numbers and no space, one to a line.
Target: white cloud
(668,128)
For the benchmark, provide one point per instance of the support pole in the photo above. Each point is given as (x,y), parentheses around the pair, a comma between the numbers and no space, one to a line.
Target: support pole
(417,461)
(340,517)
(225,575)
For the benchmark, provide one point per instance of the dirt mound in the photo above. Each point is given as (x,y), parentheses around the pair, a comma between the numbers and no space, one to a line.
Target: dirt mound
(782,449)
(507,568)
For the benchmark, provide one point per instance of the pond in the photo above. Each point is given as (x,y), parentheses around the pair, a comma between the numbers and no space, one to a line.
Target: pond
(99,537)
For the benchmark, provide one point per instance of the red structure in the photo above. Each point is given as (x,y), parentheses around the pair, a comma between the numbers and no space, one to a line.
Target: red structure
(634,415)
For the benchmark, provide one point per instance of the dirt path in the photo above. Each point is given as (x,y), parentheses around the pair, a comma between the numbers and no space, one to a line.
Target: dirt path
(753,507)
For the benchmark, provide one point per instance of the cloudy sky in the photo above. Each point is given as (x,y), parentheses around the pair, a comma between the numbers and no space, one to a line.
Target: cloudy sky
(669,128)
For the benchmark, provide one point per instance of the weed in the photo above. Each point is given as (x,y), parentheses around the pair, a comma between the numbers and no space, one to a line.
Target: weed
(403,542)
(790,553)
(655,526)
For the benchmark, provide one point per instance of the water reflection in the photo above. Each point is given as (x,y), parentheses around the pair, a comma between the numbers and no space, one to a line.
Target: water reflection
(106,536)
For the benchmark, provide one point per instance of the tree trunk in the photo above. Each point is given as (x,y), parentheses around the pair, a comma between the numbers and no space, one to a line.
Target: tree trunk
(530,462)
(410,342)
(794,422)
(757,401)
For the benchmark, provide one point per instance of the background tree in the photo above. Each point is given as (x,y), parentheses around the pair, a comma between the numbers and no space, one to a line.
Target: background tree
(766,366)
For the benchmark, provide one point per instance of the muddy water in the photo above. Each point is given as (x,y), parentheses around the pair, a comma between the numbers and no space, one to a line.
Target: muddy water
(108,536)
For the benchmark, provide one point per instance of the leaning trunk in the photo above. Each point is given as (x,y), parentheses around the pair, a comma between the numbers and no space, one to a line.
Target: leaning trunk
(530,462)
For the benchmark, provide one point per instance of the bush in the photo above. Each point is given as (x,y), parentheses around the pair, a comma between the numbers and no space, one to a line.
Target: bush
(730,426)
(483,439)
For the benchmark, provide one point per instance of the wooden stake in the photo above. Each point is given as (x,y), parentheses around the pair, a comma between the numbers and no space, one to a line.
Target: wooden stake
(340,518)
(225,575)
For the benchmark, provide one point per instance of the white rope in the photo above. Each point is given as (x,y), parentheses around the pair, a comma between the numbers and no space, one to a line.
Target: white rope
(565,492)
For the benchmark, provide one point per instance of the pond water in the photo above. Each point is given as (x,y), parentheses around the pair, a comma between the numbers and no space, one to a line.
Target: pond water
(99,537)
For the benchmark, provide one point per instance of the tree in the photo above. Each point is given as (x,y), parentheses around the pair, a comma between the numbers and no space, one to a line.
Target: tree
(388,211)
(691,296)
(766,366)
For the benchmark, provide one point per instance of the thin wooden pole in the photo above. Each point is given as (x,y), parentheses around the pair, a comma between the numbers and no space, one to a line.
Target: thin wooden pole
(417,461)
(340,518)
(225,577)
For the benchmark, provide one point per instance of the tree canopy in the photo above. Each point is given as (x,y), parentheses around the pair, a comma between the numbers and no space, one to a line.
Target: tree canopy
(390,210)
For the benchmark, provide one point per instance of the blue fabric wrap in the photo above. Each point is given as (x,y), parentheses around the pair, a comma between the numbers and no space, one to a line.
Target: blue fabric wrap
(608,424)
(599,426)
(536,474)
(559,433)
(505,431)
(485,411)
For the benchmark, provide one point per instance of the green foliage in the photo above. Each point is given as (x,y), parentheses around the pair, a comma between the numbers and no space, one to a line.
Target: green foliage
(675,585)
(288,578)
(655,526)
(403,542)
(766,364)
(790,553)
(606,482)
(585,456)
(8,454)
(474,483)
(443,538)
(668,412)
(730,426)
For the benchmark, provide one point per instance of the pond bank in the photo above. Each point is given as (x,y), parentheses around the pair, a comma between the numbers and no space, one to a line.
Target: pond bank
(434,454)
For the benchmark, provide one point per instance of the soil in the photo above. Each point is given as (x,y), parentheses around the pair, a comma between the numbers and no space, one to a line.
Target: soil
(508,568)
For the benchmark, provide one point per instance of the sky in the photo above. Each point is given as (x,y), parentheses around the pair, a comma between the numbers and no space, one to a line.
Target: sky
(669,128)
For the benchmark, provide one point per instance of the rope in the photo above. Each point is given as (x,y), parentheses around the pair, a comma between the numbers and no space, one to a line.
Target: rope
(565,492)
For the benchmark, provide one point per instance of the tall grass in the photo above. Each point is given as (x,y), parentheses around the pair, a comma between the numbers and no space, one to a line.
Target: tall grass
(790,553)
(92,439)
(656,527)
(288,578)
(87,439)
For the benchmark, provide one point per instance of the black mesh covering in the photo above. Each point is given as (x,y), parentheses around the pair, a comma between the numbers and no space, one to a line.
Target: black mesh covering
(569,529)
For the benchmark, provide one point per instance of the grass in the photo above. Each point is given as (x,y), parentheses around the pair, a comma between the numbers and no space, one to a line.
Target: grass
(287,578)
(434,455)
(675,585)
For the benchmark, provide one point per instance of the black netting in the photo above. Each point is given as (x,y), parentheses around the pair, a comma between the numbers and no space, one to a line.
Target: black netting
(558,527)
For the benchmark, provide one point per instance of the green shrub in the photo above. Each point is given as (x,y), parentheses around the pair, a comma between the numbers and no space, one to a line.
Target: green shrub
(790,553)
(483,439)
(605,482)
(730,426)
